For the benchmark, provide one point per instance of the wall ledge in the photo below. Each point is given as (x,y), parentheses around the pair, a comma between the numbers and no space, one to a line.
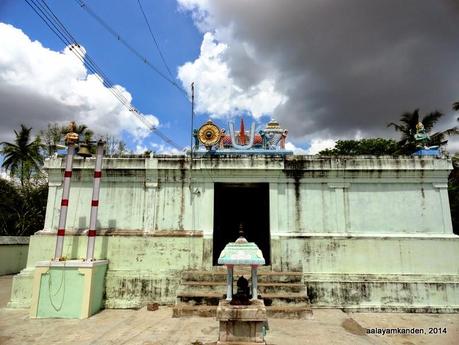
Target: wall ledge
(126,232)
(12,240)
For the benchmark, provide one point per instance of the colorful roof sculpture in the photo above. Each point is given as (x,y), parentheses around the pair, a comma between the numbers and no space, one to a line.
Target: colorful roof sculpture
(270,140)
(422,139)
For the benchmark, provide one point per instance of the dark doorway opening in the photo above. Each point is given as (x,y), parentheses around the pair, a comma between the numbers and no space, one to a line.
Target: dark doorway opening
(241,203)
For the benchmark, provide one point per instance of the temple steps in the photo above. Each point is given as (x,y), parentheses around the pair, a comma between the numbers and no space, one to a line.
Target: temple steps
(284,293)
(219,275)
(220,287)
(280,312)
(212,298)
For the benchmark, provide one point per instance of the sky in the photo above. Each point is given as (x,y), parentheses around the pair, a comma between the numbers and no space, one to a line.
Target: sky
(325,69)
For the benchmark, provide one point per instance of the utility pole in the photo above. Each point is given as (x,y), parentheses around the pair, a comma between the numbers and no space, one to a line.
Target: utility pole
(192,123)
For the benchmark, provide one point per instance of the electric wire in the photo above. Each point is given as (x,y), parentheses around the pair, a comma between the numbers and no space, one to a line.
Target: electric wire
(58,28)
(74,47)
(134,51)
(154,39)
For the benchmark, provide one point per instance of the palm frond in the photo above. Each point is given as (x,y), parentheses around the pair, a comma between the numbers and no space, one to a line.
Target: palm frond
(397,127)
(439,138)
(410,118)
(451,131)
(431,119)
(81,129)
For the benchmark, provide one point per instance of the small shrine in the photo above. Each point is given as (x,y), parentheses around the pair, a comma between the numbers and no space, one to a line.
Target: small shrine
(242,316)
(216,141)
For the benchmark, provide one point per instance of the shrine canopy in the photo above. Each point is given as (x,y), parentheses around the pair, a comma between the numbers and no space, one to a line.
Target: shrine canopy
(241,252)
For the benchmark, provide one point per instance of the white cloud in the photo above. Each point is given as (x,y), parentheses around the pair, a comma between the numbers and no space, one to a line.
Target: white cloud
(318,145)
(140,149)
(39,85)
(296,150)
(216,91)
(453,145)
(5,175)
(199,11)
(166,150)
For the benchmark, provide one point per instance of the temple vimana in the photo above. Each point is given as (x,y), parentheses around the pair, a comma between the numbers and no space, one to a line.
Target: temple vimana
(359,233)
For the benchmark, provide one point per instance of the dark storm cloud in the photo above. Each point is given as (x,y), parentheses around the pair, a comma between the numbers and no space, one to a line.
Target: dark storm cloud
(21,106)
(345,65)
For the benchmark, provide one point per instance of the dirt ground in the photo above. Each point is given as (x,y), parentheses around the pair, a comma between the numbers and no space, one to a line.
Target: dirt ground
(331,326)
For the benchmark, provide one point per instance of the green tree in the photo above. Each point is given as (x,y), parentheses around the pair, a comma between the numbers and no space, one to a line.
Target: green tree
(51,137)
(54,135)
(32,210)
(370,146)
(453,193)
(407,129)
(9,211)
(115,147)
(22,157)
(22,210)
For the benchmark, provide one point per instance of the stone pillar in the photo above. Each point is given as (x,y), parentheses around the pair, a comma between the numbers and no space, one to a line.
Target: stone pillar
(229,283)
(254,283)
(274,208)
(150,207)
(51,207)
(442,188)
(206,219)
(342,216)
(151,185)
(278,220)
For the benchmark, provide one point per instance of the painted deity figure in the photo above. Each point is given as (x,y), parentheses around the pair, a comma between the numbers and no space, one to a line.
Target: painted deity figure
(421,136)
(274,136)
(242,295)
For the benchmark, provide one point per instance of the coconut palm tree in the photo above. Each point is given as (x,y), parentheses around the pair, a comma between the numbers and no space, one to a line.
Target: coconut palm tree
(22,157)
(407,128)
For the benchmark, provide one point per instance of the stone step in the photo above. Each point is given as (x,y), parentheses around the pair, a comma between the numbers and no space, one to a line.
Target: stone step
(219,275)
(299,311)
(212,298)
(220,287)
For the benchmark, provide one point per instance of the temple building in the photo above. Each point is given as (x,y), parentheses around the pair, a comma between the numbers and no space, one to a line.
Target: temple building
(361,233)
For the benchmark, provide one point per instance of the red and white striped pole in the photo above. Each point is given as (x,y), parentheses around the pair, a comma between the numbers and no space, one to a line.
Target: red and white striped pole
(95,202)
(64,201)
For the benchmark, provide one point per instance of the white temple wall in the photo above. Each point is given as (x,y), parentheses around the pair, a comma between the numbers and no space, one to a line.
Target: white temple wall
(366,232)
(149,195)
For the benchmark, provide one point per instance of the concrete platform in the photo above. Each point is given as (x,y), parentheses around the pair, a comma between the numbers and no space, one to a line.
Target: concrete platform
(328,326)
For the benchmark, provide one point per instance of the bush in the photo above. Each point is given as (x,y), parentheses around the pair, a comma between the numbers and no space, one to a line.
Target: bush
(22,209)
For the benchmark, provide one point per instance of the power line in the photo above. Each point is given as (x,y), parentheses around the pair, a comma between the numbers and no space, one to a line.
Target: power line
(154,39)
(134,51)
(58,28)
(55,25)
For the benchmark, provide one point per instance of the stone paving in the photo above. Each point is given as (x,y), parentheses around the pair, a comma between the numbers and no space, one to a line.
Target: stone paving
(158,328)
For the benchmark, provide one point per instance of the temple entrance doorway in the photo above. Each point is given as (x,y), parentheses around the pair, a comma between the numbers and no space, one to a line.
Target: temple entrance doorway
(246,204)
